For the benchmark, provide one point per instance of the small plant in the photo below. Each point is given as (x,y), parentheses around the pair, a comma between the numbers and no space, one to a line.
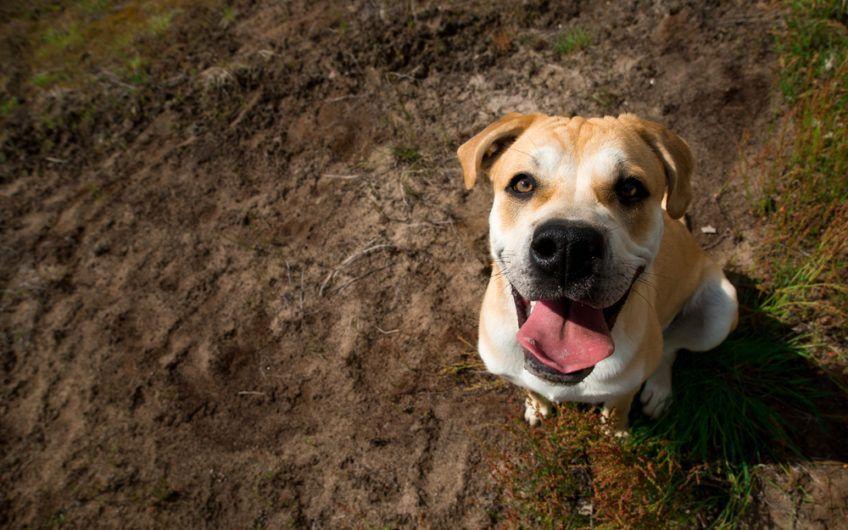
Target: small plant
(8,106)
(93,8)
(572,41)
(228,16)
(407,155)
(160,23)
(468,370)
(43,79)
(135,70)
(57,40)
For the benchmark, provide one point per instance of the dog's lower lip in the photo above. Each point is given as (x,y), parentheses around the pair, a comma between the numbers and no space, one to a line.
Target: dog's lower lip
(545,372)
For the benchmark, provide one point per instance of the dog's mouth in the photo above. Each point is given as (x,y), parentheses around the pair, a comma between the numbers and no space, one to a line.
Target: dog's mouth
(564,339)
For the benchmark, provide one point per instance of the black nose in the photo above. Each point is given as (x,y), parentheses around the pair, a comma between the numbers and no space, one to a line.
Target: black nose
(566,249)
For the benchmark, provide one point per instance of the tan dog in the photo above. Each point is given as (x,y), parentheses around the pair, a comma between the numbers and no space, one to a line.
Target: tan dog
(596,283)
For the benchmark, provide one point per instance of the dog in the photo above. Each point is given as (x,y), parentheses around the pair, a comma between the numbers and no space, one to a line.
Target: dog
(596,281)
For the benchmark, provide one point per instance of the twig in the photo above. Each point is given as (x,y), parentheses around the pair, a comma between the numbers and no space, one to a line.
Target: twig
(251,393)
(342,286)
(715,243)
(340,177)
(400,76)
(301,295)
(349,96)
(350,259)
(114,79)
(389,332)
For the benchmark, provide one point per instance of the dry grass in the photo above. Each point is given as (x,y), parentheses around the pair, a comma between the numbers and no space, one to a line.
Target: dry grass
(799,183)
(570,473)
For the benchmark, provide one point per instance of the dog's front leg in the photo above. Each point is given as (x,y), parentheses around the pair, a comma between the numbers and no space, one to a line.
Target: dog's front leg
(615,412)
(536,408)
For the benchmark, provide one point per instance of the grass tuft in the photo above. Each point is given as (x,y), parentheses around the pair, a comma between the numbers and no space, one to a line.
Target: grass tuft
(572,41)
(407,155)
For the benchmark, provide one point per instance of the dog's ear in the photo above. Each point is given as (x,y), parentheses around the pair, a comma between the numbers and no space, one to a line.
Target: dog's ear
(485,144)
(675,156)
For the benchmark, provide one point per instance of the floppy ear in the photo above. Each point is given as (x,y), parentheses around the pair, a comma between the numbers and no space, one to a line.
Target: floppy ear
(472,152)
(675,156)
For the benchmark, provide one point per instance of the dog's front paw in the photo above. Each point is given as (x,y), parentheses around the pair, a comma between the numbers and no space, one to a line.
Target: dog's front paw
(656,396)
(613,422)
(535,411)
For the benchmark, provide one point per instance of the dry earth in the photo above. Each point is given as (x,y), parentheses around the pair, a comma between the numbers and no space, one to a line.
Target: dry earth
(253,307)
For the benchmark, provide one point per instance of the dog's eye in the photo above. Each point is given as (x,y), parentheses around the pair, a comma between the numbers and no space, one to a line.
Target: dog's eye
(630,191)
(522,184)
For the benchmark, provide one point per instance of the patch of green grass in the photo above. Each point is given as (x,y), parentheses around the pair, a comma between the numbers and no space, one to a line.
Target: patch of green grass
(228,16)
(814,42)
(8,106)
(135,71)
(57,40)
(160,23)
(572,41)
(44,79)
(79,39)
(762,379)
(93,8)
(734,408)
(407,155)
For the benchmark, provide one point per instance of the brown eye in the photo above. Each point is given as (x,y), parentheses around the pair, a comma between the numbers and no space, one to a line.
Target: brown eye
(522,184)
(630,191)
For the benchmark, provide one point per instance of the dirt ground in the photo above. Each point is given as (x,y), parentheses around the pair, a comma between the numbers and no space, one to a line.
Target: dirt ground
(250,303)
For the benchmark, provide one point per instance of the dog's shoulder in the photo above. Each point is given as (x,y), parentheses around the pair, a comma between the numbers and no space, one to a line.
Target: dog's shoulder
(677,269)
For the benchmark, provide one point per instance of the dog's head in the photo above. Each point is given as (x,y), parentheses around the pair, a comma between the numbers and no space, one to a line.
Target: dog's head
(577,216)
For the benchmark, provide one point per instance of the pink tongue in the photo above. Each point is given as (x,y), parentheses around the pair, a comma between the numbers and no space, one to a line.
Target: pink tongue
(566,336)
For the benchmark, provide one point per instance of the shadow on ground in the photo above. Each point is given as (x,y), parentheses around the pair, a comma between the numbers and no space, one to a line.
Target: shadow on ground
(766,397)
(757,399)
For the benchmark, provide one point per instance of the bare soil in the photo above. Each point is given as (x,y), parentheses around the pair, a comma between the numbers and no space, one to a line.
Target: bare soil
(248,301)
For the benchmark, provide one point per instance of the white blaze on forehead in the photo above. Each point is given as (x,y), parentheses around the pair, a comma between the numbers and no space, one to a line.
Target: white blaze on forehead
(548,158)
(603,164)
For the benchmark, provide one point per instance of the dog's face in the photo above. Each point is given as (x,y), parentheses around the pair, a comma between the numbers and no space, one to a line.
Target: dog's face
(577,215)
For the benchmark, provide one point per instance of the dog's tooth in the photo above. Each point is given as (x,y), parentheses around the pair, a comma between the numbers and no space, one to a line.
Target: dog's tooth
(532,305)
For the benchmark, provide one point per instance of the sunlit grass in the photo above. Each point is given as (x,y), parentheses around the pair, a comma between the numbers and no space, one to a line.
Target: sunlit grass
(571,41)
(800,181)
